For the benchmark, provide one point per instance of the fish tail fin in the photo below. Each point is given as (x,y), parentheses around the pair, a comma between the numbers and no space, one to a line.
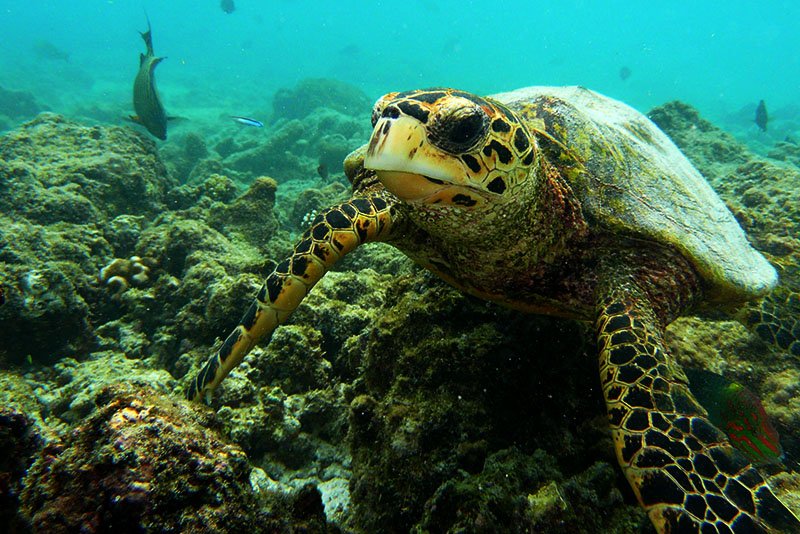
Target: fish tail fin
(148,36)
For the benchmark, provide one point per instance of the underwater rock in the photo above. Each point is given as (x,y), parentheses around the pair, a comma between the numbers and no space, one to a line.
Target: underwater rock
(122,233)
(214,188)
(60,184)
(205,168)
(43,312)
(313,93)
(19,443)
(141,463)
(275,157)
(94,172)
(251,215)
(481,503)
(708,143)
(332,151)
(462,373)
(183,156)
(71,398)
(19,104)
(302,150)
(786,151)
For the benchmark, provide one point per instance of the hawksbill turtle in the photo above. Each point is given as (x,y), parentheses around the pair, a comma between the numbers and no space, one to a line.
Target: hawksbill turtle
(559,201)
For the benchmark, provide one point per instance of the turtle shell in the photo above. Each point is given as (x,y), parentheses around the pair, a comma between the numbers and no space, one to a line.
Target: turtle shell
(632,180)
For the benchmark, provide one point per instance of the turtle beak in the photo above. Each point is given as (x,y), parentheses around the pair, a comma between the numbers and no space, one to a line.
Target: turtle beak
(404,161)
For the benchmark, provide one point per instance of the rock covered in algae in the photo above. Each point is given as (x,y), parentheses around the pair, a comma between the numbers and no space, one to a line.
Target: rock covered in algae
(312,94)
(17,105)
(142,463)
(61,183)
(314,126)
(19,443)
(463,411)
(55,170)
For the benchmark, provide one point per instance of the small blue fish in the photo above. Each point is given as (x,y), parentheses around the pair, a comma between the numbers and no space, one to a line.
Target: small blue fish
(248,121)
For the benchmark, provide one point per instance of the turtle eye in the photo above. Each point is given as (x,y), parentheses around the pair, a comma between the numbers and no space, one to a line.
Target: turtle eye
(459,131)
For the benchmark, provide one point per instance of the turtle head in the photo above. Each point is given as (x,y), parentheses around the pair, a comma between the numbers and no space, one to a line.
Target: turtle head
(442,146)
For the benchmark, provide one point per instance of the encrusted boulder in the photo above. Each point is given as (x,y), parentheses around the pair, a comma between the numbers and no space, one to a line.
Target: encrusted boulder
(141,463)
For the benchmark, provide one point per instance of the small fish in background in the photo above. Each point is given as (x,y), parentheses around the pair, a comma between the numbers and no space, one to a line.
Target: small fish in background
(350,50)
(247,121)
(227,6)
(453,46)
(761,116)
(150,111)
(322,170)
(736,410)
(49,51)
(624,73)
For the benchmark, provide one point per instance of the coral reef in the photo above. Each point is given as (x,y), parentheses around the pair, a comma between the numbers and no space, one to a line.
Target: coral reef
(60,186)
(142,463)
(66,172)
(19,442)
(311,94)
(297,148)
(18,105)
(390,403)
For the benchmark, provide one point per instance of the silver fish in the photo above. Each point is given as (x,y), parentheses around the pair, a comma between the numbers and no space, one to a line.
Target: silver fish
(247,121)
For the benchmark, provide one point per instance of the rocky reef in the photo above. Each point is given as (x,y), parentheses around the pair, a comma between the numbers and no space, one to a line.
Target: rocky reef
(16,106)
(391,402)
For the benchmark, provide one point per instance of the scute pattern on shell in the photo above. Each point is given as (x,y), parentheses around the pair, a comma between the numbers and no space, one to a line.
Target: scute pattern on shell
(647,187)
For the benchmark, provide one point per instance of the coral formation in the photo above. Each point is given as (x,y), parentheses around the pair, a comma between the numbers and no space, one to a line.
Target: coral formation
(18,105)
(121,273)
(141,463)
(308,96)
(19,442)
(388,386)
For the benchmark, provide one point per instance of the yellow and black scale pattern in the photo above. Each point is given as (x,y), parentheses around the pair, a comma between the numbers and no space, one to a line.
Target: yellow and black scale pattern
(333,233)
(684,471)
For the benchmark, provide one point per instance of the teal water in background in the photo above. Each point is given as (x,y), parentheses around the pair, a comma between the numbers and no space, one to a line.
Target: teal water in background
(721,57)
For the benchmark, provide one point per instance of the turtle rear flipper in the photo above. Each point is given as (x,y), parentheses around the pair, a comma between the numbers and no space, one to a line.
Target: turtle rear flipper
(333,233)
(682,468)
(776,319)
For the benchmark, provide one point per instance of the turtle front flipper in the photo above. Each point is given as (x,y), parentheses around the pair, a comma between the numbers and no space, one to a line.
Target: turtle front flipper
(683,470)
(333,233)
